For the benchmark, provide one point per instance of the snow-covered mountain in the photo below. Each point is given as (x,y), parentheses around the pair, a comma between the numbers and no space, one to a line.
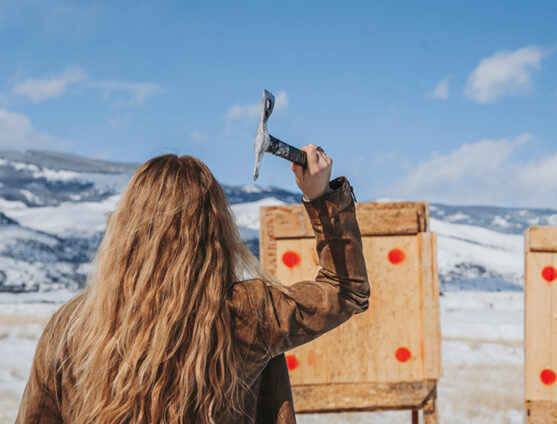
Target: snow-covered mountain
(52,216)
(52,208)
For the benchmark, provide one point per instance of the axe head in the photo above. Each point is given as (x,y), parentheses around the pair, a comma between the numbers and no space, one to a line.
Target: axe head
(262,139)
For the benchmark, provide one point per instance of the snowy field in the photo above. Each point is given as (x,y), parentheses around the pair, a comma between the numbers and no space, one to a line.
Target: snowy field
(482,359)
(52,217)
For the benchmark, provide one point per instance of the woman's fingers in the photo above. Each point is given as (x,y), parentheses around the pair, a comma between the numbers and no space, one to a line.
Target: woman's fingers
(297,169)
(314,180)
(317,160)
(313,157)
(324,160)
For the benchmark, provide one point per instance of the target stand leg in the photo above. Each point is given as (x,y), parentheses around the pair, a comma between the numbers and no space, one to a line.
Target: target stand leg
(430,408)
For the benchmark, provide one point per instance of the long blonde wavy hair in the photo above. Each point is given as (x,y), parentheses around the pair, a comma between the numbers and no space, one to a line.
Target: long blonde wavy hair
(151,340)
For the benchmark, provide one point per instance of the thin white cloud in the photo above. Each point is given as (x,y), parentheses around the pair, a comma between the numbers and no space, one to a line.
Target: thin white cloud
(136,93)
(17,132)
(40,89)
(120,121)
(252,111)
(118,92)
(198,137)
(441,90)
(102,154)
(540,175)
(503,74)
(469,161)
(487,172)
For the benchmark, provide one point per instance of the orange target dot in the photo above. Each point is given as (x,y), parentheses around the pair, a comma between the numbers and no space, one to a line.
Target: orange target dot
(549,274)
(547,377)
(396,256)
(403,354)
(290,259)
(292,362)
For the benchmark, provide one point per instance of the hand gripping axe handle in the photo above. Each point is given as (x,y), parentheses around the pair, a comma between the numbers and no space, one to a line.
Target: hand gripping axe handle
(265,142)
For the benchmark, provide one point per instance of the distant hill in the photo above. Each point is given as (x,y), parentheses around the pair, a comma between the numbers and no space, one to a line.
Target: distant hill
(52,209)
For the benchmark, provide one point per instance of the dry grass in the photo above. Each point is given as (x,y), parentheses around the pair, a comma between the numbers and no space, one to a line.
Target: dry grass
(9,402)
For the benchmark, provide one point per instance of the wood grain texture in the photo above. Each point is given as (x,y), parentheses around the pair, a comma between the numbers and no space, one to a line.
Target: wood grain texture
(267,240)
(540,342)
(394,319)
(542,239)
(354,366)
(541,412)
(312,357)
(362,397)
(398,218)
(430,411)
(429,286)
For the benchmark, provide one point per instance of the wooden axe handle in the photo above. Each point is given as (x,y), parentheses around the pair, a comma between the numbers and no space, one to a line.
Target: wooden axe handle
(280,148)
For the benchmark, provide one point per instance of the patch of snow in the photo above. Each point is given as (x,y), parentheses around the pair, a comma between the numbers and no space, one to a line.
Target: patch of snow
(15,233)
(500,221)
(247,214)
(458,217)
(31,198)
(43,172)
(499,253)
(387,200)
(34,302)
(116,182)
(9,205)
(534,221)
(254,189)
(552,220)
(67,219)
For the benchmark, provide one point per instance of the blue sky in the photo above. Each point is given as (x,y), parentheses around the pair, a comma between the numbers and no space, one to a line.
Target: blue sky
(439,101)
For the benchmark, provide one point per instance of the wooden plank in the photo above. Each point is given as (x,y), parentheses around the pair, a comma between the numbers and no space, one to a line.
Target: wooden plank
(360,356)
(392,218)
(542,239)
(311,358)
(400,218)
(539,353)
(393,320)
(361,397)
(371,339)
(349,358)
(528,317)
(291,222)
(415,417)
(267,240)
(431,326)
(540,412)
(553,325)
(431,415)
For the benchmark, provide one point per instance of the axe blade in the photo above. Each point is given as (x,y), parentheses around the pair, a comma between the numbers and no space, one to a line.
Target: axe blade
(264,142)
(262,139)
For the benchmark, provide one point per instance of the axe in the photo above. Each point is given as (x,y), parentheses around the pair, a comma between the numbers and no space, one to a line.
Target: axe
(265,142)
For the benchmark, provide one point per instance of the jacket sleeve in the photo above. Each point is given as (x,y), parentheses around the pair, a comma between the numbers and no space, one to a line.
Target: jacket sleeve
(293,315)
(39,404)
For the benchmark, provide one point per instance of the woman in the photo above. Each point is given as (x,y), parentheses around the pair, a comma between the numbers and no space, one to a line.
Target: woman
(170,330)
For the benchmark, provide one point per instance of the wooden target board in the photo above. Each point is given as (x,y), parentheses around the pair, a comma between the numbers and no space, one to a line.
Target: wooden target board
(388,357)
(540,343)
